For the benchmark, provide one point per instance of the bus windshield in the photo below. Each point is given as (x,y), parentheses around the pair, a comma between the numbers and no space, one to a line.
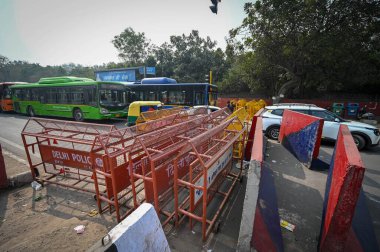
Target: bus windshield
(7,93)
(113,98)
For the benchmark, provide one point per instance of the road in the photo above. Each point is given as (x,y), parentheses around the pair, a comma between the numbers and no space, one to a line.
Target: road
(11,126)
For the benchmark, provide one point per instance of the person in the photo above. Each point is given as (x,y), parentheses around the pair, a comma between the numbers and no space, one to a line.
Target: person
(230,106)
(362,111)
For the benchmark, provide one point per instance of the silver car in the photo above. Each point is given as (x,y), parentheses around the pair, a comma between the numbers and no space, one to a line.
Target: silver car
(364,135)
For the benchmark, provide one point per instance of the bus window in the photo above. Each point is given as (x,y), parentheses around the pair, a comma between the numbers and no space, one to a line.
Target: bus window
(132,96)
(177,97)
(199,98)
(164,97)
(152,96)
(18,94)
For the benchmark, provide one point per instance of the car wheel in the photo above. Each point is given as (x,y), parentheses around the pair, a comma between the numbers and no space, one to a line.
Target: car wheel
(31,112)
(78,115)
(359,141)
(273,132)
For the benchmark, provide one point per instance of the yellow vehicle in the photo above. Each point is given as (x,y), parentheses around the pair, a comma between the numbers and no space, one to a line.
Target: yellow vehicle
(137,107)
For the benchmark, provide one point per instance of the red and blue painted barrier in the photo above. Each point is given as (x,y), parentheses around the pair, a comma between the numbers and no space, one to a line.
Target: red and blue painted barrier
(260,204)
(248,147)
(266,228)
(346,223)
(301,135)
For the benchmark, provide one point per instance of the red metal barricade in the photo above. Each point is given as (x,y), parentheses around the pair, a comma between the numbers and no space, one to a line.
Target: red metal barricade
(211,155)
(120,151)
(154,163)
(58,151)
(127,167)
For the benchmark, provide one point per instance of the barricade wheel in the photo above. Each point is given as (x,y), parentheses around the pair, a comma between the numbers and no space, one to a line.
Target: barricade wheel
(36,172)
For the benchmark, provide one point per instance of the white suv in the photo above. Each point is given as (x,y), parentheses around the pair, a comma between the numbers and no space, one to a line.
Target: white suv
(364,135)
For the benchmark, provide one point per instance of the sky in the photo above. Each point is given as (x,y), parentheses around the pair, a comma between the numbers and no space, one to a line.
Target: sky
(55,32)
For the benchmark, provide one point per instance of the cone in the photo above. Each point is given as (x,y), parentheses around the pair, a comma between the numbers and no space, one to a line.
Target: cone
(55,141)
(61,171)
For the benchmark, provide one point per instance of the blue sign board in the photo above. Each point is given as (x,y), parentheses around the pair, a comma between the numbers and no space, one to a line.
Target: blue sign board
(149,70)
(125,75)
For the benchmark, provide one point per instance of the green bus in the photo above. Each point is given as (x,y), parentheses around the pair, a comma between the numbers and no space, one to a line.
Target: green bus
(71,97)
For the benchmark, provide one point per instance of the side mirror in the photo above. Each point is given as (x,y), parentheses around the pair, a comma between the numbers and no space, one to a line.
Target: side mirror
(336,119)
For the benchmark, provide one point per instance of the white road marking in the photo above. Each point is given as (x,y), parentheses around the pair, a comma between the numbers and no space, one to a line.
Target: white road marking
(20,147)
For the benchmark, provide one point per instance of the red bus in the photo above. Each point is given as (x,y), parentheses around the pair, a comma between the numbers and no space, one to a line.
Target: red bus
(6,103)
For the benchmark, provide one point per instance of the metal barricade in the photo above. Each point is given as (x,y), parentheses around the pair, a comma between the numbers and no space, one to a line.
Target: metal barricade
(157,114)
(239,124)
(64,151)
(211,155)
(122,155)
(156,162)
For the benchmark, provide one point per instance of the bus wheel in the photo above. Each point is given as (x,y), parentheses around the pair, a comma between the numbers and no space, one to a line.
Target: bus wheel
(78,115)
(31,111)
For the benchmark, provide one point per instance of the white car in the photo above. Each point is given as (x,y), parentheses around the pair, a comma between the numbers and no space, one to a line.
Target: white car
(364,135)
(210,109)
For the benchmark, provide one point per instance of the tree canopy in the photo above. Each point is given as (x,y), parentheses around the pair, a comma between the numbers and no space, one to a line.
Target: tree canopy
(133,47)
(303,46)
(299,48)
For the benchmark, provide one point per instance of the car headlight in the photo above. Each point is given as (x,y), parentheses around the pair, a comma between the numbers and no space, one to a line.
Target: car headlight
(104,111)
(376,131)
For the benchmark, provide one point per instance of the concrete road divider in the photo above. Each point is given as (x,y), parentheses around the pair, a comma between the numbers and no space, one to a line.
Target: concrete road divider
(260,224)
(346,224)
(301,135)
(140,231)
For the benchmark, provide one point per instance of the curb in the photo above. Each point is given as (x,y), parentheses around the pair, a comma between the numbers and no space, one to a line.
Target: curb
(20,179)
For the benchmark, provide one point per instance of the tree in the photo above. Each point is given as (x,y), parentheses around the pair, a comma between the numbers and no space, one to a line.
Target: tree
(133,47)
(165,59)
(309,45)
(193,56)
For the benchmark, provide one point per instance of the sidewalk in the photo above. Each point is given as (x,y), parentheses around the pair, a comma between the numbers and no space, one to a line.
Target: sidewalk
(18,171)
(300,193)
(44,220)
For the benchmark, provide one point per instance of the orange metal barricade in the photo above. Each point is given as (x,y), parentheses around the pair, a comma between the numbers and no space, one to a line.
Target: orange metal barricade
(126,167)
(64,151)
(120,151)
(157,114)
(211,155)
(156,161)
